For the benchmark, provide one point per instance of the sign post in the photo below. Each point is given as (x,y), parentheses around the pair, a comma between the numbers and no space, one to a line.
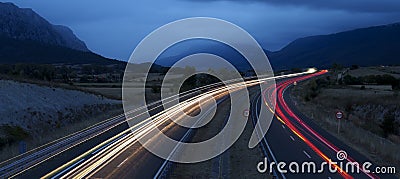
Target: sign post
(22,147)
(339,116)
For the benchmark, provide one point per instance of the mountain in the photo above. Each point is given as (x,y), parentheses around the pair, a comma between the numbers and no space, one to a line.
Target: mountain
(372,46)
(25,24)
(378,45)
(26,37)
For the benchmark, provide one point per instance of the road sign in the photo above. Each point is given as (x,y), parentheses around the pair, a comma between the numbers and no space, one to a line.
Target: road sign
(246,113)
(339,115)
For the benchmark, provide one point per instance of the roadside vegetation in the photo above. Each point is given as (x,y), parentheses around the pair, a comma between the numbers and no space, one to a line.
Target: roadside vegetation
(63,73)
(12,135)
(29,114)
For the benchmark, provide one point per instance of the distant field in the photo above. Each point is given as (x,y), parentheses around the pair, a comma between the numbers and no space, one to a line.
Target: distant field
(343,96)
(114,90)
(364,71)
(119,85)
(115,93)
(99,84)
(376,87)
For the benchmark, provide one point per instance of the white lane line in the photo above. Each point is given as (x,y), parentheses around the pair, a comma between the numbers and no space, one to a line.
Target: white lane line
(306,154)
(292,138)
(264,138)
(101,148)
(161,169)
(122,162)
(283,126)
(329,178)
(56,176)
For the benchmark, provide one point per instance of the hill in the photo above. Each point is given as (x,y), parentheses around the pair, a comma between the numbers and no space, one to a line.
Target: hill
(372,46)
(378,45)
(28,51)
(24,24)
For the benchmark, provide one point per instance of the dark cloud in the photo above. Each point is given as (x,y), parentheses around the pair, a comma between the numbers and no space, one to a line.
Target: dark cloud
(384,6)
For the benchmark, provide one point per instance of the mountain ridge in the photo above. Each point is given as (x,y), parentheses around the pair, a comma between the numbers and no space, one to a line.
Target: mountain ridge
(26,37)
(370,46)
(25,24)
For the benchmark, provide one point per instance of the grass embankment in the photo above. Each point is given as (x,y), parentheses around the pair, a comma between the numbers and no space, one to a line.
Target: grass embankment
(44,126)
(16,133)
(92,88)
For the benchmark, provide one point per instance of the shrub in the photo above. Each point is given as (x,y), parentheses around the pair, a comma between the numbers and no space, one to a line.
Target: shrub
(388,124)
(353,67)
(350,80)
(337,67)
(12,134)
(313,88)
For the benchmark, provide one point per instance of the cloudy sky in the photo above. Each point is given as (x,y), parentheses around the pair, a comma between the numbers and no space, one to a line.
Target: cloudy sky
(114,28)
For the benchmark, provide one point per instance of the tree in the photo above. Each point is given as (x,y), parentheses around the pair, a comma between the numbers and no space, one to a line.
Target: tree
(353,67)
(314,85)
(312,91)
(337,67)
(388,124)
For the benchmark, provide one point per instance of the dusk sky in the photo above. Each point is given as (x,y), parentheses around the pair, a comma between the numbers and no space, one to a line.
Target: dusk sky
(114,28)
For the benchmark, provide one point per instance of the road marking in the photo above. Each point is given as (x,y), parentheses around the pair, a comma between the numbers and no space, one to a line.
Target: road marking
(306,154)
(283,126)
(329,178)
(264,138)
(101,148)
(62,172)
(122,162)
(292,138)
(161,169)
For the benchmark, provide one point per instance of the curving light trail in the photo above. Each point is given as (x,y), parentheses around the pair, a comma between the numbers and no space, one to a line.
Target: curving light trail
(282,107)
(89,166)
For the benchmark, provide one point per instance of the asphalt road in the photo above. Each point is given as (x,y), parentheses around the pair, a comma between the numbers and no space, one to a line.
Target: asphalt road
(137,162)
(51,164)
(40,162)
(109,158)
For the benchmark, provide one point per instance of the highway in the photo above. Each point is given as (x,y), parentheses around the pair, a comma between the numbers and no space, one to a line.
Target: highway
(36,162)
(122,148)
(44,158)
(111,149)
